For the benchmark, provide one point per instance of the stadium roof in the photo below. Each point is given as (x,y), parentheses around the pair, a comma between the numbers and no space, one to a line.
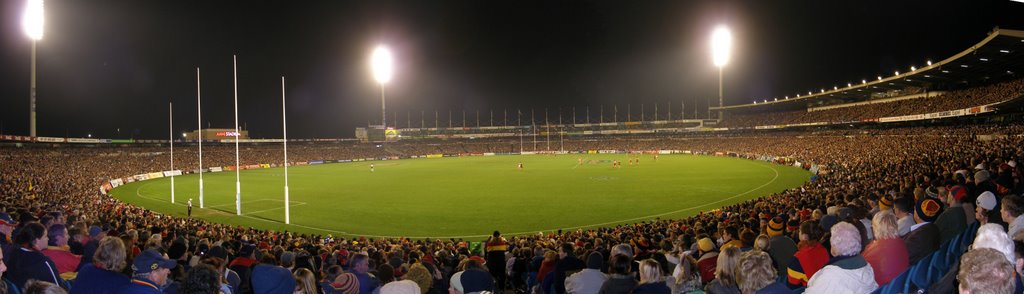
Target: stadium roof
(998,56)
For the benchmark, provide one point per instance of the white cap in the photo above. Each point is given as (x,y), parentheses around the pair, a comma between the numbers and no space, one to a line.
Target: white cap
(1012,163)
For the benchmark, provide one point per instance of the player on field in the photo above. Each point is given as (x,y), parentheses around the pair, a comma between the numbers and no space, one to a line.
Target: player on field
(371,167)
(520,165)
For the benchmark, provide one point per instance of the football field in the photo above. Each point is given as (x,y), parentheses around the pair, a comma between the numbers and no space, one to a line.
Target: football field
(471,196)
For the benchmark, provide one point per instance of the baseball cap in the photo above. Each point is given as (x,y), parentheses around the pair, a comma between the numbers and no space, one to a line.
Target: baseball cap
(7,220)
(151,260)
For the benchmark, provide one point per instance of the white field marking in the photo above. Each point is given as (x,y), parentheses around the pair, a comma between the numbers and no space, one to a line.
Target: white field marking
(768,166)
(298,203)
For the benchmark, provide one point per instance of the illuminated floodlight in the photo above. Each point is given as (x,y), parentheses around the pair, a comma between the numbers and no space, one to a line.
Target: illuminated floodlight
(32,20)
(382,64)
(929,63)
(897,72)
(912,68)
(863,81)
(787,96)
(721,44)
(808,92)
(849,85)
(879,78)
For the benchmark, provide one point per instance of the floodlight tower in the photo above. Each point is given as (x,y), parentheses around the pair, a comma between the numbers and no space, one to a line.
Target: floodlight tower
(32,24)
(382,69)
(721,44)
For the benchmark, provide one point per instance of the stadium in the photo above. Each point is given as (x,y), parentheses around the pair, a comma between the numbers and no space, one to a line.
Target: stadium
(898,183)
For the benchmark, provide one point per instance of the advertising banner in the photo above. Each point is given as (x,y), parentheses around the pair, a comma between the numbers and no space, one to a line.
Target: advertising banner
(49,139)
(84,140)
(435,155)
(216,169)
(264,165)
(141,177)
(172,173)
(155,175)
(116,183)
(316,162)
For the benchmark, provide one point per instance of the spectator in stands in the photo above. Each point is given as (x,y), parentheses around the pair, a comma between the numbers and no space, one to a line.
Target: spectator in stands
(988,236)
(761,243)
(725,277)
(756,274)
(904,211)
(151,271)
(651,281)
(305,282)
(590,279)
(953,219)
(1013,207)
(887,254)
(218,264)
(847,272)
(242,265)
(41,287)
(268,277)
(400,287)
(730,237)
(708,259)
(103,275)
(496,246)
(58,250)
(361,267)
(810,257)
(988,210)
(547,268)
(3,269)
(419,274)
(27,262)
(923,238)
(985,270)
(685,278)
(621,280)
(202,279)
(7,225)
(567,262)
(780,247)
(89,249)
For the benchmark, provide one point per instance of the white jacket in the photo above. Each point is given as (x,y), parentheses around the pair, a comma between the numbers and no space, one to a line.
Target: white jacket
(844,276)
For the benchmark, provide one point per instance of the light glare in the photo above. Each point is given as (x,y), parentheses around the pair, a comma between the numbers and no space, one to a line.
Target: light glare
(721,44)
(32,20)
(382,64)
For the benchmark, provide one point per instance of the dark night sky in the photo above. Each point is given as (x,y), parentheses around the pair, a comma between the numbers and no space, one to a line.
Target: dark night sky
(105,64)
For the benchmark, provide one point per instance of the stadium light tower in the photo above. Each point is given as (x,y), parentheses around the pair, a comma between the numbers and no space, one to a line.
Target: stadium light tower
(32,23)
(382,69)
(721,44)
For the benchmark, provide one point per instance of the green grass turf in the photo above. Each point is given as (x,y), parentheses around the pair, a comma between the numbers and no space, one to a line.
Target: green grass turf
(471,196)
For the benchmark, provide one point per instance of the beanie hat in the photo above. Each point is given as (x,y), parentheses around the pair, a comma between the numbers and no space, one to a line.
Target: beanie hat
(775,226)
(346,283)
(400,287)
(958,192)
(885,202)
(219,252)
(987,200)
(828,221)
(793,225)
(271,279)
(177,250)
(595,260)
(706,245)
(928,209)
(476,280)
(981,176)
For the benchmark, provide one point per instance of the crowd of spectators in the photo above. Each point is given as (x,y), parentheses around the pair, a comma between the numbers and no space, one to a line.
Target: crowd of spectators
(953,100)
(882,200)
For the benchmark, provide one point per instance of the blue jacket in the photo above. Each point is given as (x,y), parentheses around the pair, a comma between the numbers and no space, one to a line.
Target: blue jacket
(652,288)
(92,279)
(140,286)
(25,264)
(367,283)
